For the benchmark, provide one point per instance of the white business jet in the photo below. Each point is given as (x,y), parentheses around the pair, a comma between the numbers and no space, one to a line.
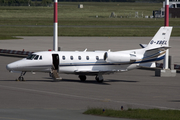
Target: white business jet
(96,63)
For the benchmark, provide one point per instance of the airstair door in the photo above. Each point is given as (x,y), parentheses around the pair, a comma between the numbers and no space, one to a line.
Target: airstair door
(55,61)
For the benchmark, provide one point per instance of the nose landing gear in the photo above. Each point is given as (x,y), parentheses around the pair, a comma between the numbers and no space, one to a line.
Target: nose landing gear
(21,78)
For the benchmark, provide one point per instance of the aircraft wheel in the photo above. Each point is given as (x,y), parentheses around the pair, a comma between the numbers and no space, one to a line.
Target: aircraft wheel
(20,79)
(23,79)
(82,78)
(99,80)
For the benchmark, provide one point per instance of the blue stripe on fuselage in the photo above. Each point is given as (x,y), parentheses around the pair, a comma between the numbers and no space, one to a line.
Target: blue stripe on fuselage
(105,64)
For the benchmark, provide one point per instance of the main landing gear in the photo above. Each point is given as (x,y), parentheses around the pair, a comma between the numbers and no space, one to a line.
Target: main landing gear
(21,78)
(82,78)
(99,78)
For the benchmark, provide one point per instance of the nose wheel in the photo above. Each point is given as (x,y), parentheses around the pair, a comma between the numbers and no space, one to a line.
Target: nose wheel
(21,78)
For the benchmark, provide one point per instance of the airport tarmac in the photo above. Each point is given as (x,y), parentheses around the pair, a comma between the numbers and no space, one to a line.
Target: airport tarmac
(40,98)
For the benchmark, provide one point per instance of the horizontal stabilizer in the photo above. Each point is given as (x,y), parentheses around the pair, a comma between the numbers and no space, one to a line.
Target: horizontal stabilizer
(159,48)
(143,45)
(148,65)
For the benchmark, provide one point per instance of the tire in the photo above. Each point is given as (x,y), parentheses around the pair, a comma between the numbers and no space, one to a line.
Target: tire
(97,79)
(82,78)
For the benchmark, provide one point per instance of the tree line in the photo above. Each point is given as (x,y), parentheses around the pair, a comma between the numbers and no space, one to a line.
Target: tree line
(111,0)
(49,2)
(97,0)
(25,2)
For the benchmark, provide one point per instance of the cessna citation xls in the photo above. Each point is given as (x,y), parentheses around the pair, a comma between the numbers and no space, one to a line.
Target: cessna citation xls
(95,63)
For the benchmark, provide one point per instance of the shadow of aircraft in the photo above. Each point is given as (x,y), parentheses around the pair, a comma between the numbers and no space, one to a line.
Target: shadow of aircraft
(48,79)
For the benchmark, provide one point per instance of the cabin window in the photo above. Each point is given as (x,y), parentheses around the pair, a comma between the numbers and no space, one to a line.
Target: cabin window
(40,57)
(63,57)
(36,57)
(71,57)
(79,57)
(97,57)
(87,57)
(178,5)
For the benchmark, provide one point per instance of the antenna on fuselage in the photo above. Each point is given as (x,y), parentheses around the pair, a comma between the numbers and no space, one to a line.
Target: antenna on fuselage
(85,50)
(55,37)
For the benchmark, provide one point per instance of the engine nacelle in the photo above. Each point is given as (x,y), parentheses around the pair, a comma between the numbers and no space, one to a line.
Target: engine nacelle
(117,57)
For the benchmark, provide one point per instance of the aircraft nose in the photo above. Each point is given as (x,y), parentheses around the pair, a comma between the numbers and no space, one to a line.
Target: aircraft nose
(10,66)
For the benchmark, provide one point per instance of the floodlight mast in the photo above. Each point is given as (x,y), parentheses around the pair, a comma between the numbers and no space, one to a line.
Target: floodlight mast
(166,23)
(55,37)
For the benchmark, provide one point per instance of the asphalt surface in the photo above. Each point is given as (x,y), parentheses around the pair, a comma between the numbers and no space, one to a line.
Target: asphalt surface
(40,98)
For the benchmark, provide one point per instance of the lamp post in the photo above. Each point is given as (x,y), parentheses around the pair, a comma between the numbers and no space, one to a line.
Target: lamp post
(55,37)
(166,23)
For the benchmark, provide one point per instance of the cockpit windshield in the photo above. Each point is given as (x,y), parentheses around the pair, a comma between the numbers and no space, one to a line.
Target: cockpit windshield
(31,56)
(34,57)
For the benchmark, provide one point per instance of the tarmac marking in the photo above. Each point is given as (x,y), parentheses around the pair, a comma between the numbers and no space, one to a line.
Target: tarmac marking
(90,98)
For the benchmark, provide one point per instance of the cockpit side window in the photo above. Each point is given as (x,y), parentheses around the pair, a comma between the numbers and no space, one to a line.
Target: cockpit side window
(40,58)
(36,57)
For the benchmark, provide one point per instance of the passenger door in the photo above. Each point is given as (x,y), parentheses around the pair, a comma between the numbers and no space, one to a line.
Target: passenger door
(55,61)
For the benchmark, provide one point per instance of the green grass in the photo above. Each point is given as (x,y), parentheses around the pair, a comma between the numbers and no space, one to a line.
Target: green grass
(20,21)
(6,37)
(150,114)
(76,31)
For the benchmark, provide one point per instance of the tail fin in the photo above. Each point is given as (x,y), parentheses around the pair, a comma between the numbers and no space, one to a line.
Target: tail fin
(161,39)
(157,47)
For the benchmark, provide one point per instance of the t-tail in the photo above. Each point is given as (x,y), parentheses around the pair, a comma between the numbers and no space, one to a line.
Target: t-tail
(156,49)
(161,38)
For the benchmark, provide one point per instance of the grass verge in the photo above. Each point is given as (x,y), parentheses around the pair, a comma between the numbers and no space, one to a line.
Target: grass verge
(38,21)
(7,32)
(6,37)
(150,114)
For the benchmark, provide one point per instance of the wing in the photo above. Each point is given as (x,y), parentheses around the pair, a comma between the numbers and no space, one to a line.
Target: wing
(96,72)
(14,53)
